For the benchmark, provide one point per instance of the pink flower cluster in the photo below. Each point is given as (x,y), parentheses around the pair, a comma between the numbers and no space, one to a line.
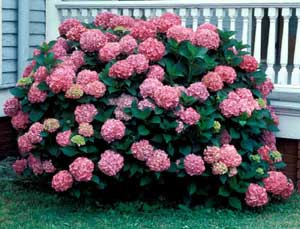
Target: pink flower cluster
(35,164)
(96,89)
(213,81)
(82,169)
(112,130)
(149,86)
(61,79)
(142,30)
(249,63)
(206,38)
(62,181)
(11,107)
(265,88)
(85,77)
(121,69)
(103,19)
(35,95)
(179,33)
(85,113)
(111,163)
(34,133)
(67,25)
(41,74)
(128,44)
(139,62)
(239,101)
(166,97)
(156,72)
(20,120)
(256,196)
(189,116)
(194,165)
(166,21)
(92,40)
(152,48)
(198,90)
(142,150)
(124,101)
(109,51)
(222,159)
(64,138)
(86,129)
(75,33)
(159,161)
(278,184)
(19,166)
(227,73)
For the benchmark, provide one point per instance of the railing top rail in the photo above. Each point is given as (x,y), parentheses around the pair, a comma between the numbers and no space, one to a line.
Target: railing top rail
(181,4)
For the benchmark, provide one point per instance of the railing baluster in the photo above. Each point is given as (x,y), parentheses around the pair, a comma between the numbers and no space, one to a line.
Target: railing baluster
(148,14)
(295,79)
(232,16)
(84,15)
(258,13)
(195,14)
(206,14)
(245,16)
(126,12)
(137,13)
(220,17)
(283,74)
(273,14)
(182,14)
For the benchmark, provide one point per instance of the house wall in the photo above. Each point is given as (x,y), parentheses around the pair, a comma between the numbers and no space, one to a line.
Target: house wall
(19,17)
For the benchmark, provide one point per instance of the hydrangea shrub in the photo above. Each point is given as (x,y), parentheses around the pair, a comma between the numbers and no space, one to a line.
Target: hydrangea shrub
(122,101)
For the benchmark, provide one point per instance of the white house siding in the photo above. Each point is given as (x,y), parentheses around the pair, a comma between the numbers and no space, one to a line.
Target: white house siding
(9,42)
(13,55)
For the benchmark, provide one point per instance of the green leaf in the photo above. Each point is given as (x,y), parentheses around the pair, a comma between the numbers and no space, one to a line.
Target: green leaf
(234,134)
(35,115)
(185,149)
(145,180)
(167,138)
(190,52)
(155,119)
(192,188)
(143,131)
(96,179)
(53,150)
(17,92)
(43,86)
(235,203)
(103,116)
(141,114)
(69,151)
(89,149)
(223,191)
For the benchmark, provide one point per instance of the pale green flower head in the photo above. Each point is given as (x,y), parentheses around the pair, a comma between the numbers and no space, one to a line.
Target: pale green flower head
(25,81)
(261,102)
(276,156)
(217,126)
(260,171)
(78,140)
(255,158)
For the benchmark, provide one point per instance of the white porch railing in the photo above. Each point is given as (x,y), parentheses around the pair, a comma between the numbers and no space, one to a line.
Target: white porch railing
(268,25)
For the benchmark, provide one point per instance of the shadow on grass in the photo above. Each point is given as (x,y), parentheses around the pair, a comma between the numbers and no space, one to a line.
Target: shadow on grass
(26,204)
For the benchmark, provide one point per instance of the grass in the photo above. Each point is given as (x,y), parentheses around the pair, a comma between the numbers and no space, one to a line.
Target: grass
(28,207)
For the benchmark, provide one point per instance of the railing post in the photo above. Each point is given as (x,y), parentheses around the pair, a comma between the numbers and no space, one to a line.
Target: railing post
(283,74)
(295,80)
(232,16)
(245,16)
(52,19)
(194,14)
(258,13)
(272,13)
(220,17)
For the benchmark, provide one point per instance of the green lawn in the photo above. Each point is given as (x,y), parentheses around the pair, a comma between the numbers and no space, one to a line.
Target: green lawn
(28,207)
